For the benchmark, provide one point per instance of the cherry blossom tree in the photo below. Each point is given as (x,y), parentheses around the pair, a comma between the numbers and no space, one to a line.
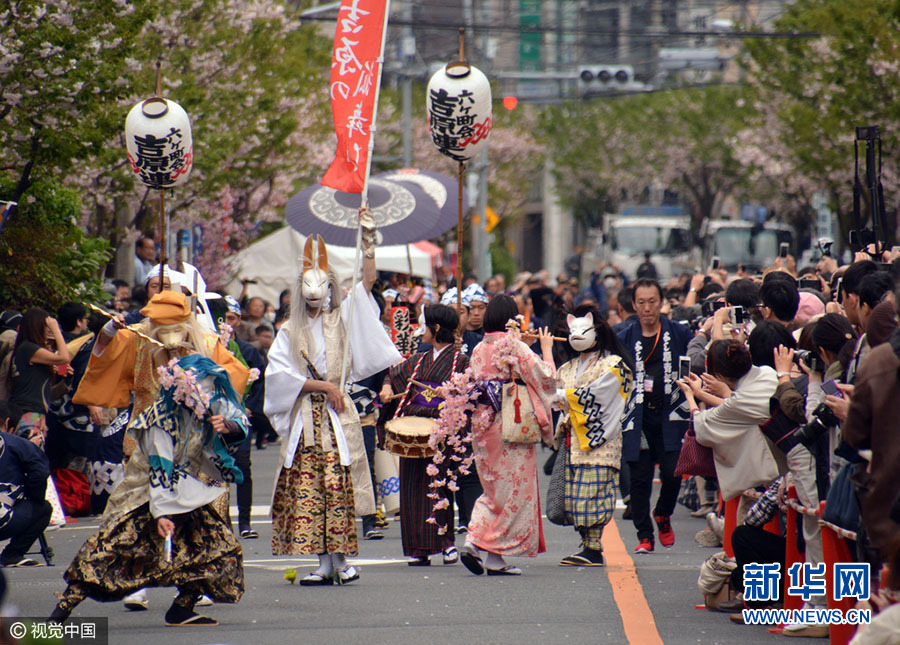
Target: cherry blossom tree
(614,150)
(813,92)
(60,81)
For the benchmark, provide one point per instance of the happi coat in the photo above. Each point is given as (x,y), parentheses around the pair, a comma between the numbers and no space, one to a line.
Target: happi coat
(674,339)
(610,383)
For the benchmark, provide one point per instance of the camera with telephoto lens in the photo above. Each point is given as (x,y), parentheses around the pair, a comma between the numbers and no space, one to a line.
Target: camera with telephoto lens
(823,419)
(812,360)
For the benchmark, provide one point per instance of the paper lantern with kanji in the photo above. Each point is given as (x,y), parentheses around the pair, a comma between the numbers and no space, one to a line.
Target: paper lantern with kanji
(459,110)
(160,147)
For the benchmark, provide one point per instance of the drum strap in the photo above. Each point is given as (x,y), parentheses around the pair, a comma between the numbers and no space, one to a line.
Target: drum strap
(401,409)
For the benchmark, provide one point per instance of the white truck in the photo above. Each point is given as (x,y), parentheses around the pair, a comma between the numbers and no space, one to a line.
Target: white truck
(739,242)
(626,239)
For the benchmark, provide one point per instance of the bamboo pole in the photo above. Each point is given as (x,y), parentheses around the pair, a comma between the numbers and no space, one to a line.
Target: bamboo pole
(364,196)
(163,223)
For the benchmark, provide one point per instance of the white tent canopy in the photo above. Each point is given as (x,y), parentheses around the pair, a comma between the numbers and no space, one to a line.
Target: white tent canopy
(275,260)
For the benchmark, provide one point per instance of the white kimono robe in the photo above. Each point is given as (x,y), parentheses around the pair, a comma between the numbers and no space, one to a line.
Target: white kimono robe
(290,411)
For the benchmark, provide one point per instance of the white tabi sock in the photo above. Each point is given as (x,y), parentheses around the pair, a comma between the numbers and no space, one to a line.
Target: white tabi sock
(326,568)
(494,561)
(339,561)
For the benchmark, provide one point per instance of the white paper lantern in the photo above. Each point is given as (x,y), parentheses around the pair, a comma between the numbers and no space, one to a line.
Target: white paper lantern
(459,110)
(160,147)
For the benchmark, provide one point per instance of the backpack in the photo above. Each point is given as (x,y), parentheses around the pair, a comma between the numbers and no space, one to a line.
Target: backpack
(74,491)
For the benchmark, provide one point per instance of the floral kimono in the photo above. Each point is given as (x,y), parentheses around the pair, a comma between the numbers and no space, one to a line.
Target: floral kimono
(507,518)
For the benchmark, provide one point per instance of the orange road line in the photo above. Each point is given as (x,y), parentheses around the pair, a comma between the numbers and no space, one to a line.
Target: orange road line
(637,619)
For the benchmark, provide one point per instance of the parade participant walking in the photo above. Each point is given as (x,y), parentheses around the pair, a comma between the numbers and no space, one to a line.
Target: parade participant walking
(323,473)
(594,447)
(430,369)
(164,507)
(125,364)
(506,519)
(476,300)
(652,434)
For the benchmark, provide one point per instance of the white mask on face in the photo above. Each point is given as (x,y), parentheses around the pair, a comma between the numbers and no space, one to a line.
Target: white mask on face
(314,287)
(582,335)
(314,281)
(609,282)
(173,338)
(270,316)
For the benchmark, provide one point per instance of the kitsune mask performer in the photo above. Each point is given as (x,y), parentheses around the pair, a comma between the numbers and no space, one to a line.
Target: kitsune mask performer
(323,475)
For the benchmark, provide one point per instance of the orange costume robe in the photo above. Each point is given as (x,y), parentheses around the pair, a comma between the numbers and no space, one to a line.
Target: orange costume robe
(126,366)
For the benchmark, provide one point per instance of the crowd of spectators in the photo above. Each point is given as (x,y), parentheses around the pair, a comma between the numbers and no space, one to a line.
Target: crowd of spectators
(793,380)
(794,377)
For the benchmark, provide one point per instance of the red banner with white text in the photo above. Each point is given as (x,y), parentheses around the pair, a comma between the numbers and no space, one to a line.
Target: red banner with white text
(355,69)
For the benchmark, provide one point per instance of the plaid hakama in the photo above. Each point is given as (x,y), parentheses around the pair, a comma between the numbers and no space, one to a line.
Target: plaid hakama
(590,500)
(421,539)
(313,509)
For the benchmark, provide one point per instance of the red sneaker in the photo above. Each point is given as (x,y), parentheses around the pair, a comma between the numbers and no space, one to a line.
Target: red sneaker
(666,534)
(645,546)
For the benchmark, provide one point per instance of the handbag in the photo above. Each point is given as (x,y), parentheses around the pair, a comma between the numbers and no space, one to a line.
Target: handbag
(556,491)
(519,422)
(841,505)
(688,496)
(695,459)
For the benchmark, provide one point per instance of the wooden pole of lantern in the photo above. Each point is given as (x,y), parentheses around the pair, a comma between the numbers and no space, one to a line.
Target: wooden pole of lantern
(460,175)
(163,225)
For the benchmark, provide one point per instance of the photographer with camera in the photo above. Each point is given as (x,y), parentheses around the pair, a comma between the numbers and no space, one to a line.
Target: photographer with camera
(871,425)
(851,281)
(835,340)
(731,428)
(741,293)
(779,298)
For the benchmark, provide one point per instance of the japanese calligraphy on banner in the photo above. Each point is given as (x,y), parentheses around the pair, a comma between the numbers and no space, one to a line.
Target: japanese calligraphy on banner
(459,110)
(160,147)
(355,69)
(402,331)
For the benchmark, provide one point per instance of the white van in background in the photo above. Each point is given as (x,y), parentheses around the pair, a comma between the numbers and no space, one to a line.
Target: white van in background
(738,242)
(667,238)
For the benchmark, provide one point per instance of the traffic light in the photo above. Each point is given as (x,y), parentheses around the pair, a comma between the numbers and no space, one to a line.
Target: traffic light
(604,78)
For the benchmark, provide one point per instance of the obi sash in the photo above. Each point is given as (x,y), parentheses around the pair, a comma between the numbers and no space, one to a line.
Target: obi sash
(490,392)
(427,397)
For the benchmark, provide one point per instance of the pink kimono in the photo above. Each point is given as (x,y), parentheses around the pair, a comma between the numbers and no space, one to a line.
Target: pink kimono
(507,517)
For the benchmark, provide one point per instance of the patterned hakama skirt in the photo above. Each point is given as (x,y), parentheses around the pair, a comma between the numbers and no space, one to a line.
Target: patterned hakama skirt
(313,509)
(127,555)
(590,500)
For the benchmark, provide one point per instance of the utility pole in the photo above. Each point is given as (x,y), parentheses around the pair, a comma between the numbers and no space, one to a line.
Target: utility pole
(407,54)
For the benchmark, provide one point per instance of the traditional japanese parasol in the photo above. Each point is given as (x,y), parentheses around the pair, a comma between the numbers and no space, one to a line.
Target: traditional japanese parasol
(440,187)
(403,212)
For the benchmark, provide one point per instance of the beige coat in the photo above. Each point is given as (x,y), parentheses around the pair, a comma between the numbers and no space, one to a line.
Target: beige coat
(743,456)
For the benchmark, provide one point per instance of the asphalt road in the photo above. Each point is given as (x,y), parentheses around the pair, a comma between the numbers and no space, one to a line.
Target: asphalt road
(396,604)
